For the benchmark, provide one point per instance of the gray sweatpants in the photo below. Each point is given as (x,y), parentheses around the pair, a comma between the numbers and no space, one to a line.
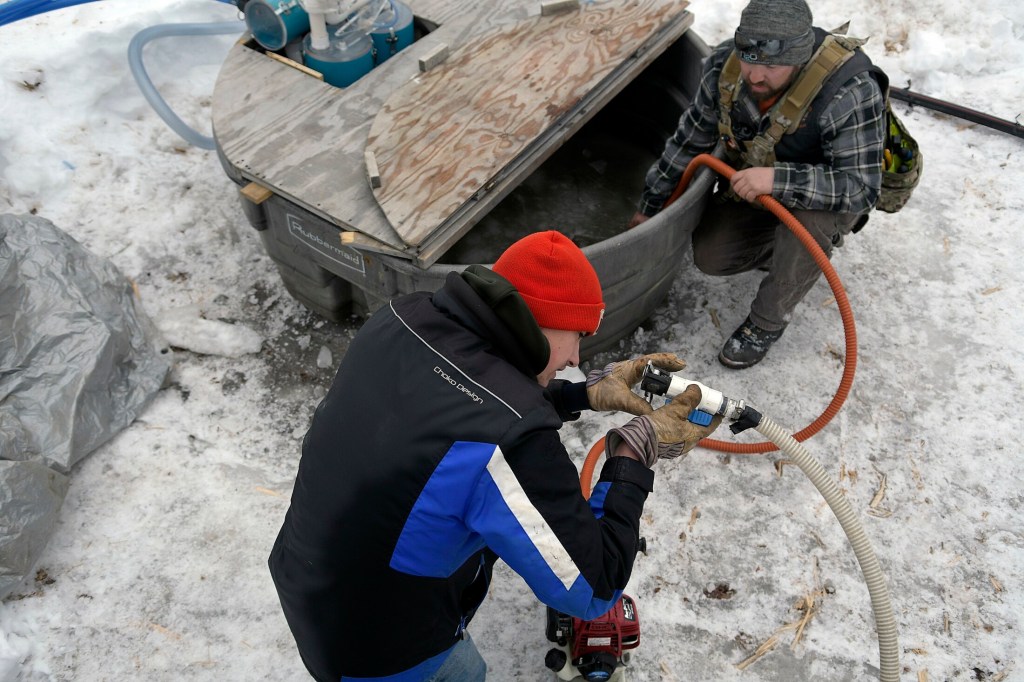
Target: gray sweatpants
(734,237)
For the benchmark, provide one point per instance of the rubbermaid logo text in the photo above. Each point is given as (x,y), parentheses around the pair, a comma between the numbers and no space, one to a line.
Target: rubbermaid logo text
(452,382)
(342,255)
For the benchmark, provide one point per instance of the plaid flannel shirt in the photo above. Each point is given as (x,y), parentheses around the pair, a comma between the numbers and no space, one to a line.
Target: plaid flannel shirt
(852,138)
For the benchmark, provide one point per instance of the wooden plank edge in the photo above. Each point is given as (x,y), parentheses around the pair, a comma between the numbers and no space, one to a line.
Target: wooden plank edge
(341,224)
(295,65)
(365,242)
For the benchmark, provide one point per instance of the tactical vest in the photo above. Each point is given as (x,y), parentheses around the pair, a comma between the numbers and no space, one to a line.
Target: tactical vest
(793,132)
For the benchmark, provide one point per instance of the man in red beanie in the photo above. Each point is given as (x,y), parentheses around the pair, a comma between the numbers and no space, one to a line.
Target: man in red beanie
(436,452)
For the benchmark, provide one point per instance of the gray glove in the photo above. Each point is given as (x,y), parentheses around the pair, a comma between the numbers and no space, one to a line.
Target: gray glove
(665,432)
(611,388)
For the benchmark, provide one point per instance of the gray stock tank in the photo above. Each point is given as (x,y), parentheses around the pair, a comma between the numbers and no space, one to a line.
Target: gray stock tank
(587,189)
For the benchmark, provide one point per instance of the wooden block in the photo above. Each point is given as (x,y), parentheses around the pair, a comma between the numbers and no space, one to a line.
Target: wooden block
(555,6)
(295,65)
(256,193)
(365,242)
(434,57)
(371,169)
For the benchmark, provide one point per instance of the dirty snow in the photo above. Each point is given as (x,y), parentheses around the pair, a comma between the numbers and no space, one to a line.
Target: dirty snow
(157,569)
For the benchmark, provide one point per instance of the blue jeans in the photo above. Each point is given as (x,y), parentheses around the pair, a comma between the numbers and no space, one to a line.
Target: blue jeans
(464,664)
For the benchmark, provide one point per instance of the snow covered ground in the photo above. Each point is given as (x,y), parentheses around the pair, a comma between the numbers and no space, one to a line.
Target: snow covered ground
(157,568)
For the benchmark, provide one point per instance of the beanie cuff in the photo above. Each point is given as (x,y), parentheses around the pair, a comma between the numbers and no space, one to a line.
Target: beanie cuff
(578,317)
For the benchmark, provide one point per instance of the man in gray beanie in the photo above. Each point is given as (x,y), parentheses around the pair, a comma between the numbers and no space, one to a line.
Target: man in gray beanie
(785,21)
(820,155)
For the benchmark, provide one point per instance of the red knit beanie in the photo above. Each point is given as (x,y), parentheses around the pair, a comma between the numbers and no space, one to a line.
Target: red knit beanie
(556,280)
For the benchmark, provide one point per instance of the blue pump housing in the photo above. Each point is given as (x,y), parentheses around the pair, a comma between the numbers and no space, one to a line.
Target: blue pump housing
(348,58)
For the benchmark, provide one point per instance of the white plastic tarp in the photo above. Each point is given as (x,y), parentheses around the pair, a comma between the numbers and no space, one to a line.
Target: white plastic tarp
(79,360)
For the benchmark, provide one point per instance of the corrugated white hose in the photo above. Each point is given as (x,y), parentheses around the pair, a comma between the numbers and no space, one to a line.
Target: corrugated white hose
(885,620)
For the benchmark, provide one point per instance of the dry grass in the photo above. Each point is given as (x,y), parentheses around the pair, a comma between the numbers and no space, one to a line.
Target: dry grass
(807,606)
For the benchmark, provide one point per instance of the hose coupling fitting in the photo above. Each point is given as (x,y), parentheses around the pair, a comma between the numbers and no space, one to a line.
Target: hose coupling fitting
(659,382)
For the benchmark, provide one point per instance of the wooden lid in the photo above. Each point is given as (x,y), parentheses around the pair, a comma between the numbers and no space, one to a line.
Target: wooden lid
(452,142)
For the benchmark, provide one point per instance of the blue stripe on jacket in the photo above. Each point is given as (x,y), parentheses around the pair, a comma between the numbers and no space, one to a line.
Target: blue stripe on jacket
(472,499)
(435,540)
(597,496)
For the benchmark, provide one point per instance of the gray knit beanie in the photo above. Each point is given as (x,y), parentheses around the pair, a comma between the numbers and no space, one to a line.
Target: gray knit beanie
(788,21)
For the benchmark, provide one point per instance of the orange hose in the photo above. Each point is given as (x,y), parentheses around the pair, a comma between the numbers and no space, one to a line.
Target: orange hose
(587,472)
(850,366)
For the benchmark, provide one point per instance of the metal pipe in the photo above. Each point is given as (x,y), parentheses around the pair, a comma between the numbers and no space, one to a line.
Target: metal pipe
(972,115)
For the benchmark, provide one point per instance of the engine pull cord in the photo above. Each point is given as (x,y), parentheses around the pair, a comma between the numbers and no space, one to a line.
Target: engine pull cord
(849,366)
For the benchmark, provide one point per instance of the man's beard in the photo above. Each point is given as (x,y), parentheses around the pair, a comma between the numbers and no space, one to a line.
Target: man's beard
(770,94)
(763,95)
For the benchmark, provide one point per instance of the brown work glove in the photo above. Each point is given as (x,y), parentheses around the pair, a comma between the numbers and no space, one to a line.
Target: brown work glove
(665,432)
(611,388)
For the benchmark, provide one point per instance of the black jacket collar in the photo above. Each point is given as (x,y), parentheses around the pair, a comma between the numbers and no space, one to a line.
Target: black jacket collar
(490,306)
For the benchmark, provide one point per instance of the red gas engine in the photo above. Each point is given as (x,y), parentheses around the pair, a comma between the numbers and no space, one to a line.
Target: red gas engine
(592,650)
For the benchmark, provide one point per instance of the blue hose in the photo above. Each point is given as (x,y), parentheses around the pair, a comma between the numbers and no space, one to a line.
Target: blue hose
(14,10)
(149,91)
(22,9)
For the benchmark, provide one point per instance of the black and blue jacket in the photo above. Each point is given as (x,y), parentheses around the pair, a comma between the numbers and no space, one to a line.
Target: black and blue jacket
(434,453)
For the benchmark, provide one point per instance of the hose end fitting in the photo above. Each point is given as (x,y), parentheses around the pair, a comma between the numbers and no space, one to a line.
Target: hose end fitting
(749,418)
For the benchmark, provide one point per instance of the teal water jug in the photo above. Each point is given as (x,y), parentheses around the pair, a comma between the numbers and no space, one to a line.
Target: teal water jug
(275,23)
(347,59)
(392,30)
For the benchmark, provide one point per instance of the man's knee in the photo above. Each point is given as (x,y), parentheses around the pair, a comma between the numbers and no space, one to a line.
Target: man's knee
(828,227)
(708,260)
(711,254)
(700,259)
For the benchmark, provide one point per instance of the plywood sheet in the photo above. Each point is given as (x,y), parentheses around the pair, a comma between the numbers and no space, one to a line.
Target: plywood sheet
(305,139)
(441,140)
